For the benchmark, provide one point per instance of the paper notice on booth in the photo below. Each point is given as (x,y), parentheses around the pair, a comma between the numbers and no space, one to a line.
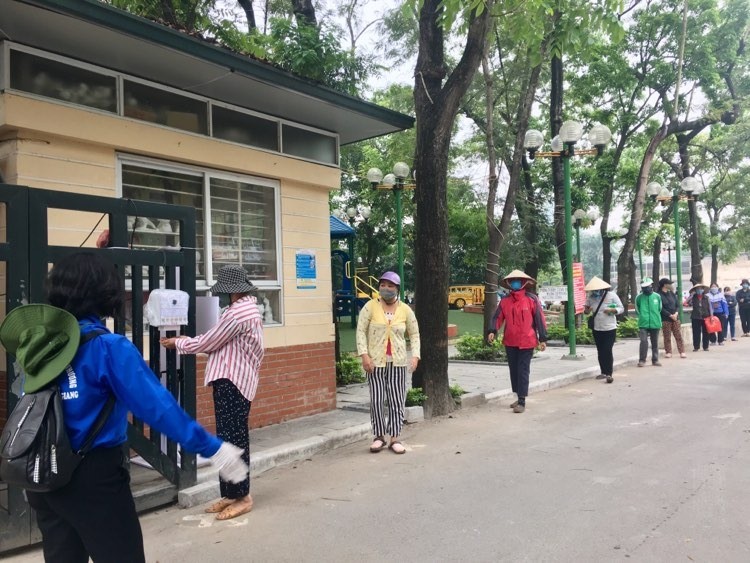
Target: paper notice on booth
(306,269)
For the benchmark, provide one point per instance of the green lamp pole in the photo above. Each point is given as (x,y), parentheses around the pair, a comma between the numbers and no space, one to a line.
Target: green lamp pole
(563,146)
(691,188)
(395,182)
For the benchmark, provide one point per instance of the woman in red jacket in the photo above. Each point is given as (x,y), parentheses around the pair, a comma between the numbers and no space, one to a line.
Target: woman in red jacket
(525,329)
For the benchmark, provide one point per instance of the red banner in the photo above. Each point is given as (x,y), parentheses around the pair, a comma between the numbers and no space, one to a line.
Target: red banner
(579,293)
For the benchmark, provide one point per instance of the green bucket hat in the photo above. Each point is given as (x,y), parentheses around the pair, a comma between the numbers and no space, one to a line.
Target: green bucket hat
(44,340)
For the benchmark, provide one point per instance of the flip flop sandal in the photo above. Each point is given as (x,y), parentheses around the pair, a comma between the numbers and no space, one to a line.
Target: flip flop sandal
(375,449)
(390,447)
(219,505)
(234,510)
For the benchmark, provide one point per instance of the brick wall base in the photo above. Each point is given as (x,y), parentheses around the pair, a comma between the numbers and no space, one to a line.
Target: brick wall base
(294,381)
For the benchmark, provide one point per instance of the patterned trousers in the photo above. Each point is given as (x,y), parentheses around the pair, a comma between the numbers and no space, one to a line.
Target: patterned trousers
(387,382)
(670,328)
(232,410)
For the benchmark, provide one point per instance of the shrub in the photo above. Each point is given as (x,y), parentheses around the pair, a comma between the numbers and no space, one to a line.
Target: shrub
(560,332)
(349,370)
(415,397)
(471,346)
(627,328)
(456,391)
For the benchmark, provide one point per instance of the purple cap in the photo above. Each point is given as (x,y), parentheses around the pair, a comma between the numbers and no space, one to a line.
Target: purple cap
(391,277)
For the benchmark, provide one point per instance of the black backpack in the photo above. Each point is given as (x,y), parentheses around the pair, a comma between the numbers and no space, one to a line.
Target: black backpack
(35,451)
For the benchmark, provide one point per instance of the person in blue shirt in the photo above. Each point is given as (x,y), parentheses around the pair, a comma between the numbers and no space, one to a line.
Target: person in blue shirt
(720,309)
(94,514)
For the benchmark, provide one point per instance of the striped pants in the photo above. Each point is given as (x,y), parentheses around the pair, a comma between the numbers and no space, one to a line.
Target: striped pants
(388,382)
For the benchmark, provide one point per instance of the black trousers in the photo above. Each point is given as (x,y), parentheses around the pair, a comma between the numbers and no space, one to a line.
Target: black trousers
(232,411)
(699,331)
(519,362)
(720,335)
(605,340)
(93,515)
(745,320)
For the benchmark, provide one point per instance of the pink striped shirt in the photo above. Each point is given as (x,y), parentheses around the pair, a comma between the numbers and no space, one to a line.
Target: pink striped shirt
(234,346)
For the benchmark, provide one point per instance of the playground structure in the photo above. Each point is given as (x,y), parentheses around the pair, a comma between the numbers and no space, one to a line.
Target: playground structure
(355,290)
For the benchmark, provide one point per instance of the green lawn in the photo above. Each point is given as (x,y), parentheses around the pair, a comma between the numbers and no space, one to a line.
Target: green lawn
(466,322)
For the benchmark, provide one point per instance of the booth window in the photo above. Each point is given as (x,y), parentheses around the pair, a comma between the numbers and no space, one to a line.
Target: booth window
(242,227)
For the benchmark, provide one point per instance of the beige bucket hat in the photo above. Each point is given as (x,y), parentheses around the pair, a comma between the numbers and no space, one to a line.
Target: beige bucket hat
(597,283)
(516,275)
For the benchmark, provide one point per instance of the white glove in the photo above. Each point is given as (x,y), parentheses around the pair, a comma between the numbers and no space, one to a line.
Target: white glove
(228,460)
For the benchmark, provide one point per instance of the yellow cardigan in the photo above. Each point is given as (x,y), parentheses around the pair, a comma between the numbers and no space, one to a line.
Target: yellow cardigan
(373,332)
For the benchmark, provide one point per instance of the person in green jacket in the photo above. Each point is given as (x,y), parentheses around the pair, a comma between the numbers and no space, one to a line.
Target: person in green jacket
(648,305)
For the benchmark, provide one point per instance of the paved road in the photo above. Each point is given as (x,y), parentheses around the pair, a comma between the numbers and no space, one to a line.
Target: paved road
(655,467)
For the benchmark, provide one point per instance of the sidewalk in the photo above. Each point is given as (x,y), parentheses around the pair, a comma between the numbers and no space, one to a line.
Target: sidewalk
(350,422)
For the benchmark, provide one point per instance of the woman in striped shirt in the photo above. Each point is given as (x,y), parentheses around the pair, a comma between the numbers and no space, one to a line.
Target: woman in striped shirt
(235,351)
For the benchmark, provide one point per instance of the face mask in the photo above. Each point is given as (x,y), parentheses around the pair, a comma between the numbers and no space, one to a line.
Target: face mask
(714,290)
(224,300)
(648,290)
(699,291)
(745,286)
(515,285)
(388,294)
(596,293)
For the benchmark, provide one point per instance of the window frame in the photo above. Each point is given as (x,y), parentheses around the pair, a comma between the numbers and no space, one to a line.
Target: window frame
(204,284)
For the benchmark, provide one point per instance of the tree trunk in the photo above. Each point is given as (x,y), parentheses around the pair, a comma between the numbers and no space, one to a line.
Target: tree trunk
(527,215)
(656,259)
(714,263)
(555,121)
(436,105)
(696,258)
(247,6)
(625,263)
(606,258)
(304,12)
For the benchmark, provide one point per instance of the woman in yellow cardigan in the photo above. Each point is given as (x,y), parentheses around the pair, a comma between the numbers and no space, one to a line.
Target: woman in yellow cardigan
(381,343)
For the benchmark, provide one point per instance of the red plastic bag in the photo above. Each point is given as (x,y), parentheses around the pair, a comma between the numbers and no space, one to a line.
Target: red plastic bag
(713,324)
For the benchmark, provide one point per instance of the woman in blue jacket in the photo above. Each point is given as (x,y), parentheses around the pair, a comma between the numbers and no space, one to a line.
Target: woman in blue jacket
(720,309)
(94,514)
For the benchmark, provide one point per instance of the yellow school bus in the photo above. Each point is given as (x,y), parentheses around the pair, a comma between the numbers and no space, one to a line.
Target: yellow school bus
(461,295)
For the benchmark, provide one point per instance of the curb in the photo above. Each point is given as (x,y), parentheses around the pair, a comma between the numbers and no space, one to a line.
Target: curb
(207,488)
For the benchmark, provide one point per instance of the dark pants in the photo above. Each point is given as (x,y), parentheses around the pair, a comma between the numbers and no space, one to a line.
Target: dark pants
(720,335)
(729,322)
(232,410)
(93,515)
(653,335)
(519,362)
(605,340)
(745,320)
(699,331)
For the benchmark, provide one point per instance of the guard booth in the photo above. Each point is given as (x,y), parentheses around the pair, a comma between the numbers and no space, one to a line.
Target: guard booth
(27,251)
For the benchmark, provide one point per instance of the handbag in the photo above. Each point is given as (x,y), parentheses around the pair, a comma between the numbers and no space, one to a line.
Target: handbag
(590,320)
(713,324)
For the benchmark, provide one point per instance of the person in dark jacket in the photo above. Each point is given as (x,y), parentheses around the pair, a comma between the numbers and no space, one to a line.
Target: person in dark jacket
(743,306)
(94,514)
(525,329)
(670,319)
(701,309)
(729,325)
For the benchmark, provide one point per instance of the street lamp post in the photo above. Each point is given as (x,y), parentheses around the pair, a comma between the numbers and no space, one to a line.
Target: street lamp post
(395,182)
(563,146)
(583,218)
(670,248)
(692,188)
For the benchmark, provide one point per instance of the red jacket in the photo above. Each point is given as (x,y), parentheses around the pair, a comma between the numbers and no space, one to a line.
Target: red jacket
(524,321)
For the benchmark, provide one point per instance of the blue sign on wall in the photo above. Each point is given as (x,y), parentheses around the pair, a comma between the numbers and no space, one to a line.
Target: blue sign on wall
(306,269)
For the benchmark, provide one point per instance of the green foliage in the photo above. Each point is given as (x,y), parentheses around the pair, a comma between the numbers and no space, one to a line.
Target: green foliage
(560,332)
(456,391)
(415,397)
(627,328)
(349,370)
(472,347)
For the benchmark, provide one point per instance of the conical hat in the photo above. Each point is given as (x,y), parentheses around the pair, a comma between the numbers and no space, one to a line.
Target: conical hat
(597,283)
(516,275)
(697,285)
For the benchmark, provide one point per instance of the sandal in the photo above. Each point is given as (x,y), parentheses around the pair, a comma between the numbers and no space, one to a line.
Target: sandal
(237,508)
(394,450)
(219,505)
(374,448)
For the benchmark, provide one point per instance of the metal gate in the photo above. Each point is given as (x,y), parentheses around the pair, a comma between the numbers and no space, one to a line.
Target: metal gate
(27,254)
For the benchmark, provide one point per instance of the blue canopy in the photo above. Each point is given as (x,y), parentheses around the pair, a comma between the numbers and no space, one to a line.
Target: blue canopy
(339,229)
